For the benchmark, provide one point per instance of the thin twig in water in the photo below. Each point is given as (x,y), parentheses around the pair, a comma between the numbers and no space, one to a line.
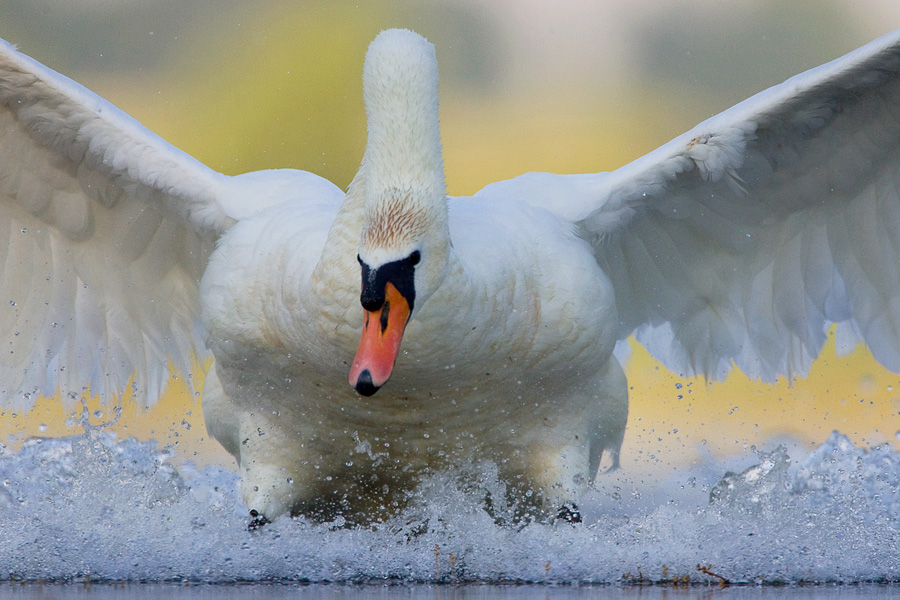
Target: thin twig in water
(707,570)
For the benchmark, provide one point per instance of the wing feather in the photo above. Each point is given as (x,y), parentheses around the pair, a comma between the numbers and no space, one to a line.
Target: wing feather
(741,241)
(105,230)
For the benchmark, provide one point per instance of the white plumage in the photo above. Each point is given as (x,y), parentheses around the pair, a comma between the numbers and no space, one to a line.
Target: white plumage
(737,243)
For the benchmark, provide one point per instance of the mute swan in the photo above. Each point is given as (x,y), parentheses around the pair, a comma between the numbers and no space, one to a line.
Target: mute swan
(485,326)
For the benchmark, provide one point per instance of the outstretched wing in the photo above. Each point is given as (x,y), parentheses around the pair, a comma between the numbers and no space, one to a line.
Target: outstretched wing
(105,230)
(742,240)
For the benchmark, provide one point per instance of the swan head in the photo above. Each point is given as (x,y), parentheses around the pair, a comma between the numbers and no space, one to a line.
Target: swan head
(405,240)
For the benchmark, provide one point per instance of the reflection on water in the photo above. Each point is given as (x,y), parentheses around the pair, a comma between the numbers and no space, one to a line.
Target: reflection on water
(439,592)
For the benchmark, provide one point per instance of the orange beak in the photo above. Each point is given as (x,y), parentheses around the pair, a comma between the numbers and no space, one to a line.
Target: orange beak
(380,343)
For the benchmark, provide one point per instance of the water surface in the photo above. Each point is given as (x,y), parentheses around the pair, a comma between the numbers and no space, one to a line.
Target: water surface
(93,508)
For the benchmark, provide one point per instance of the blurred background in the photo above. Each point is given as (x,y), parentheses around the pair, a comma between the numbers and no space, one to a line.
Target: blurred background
(563,85)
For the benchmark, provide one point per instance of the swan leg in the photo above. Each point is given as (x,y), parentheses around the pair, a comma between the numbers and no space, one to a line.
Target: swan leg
(610,415)
(267,488)
(565,459)
(220,414)
(558,478)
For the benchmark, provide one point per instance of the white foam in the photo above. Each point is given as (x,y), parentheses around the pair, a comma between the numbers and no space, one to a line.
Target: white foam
(92,507)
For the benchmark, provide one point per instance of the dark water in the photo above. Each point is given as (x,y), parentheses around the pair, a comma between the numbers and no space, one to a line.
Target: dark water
(434,592)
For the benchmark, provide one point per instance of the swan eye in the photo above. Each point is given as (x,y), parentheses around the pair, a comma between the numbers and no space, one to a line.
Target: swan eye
(414,258)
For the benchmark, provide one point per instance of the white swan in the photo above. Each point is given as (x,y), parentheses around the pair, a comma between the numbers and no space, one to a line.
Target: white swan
(738,242)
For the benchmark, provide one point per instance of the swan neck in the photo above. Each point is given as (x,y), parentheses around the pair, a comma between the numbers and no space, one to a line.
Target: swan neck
(403,166)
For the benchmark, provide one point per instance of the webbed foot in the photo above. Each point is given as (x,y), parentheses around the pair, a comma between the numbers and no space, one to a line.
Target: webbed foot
(569,513)
(256,520)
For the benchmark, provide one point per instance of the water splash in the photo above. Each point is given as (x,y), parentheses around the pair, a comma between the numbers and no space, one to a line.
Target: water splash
(92,507)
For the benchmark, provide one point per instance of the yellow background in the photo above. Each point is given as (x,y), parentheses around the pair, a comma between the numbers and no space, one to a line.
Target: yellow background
(556,86)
